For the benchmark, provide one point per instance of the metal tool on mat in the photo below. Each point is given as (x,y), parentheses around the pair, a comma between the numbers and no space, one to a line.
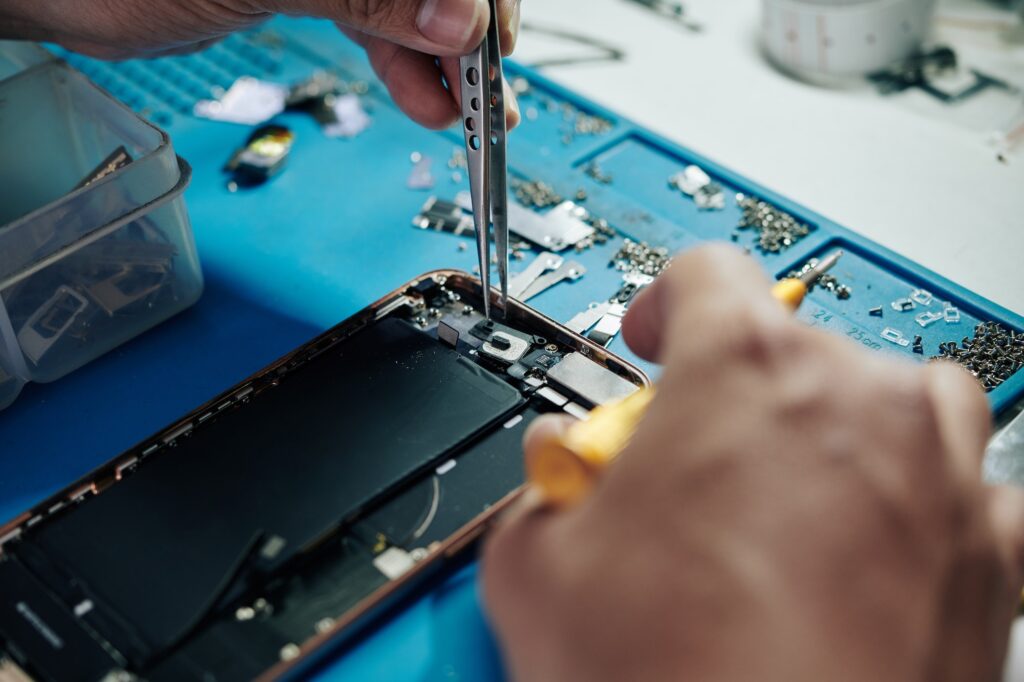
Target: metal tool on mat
(483,121)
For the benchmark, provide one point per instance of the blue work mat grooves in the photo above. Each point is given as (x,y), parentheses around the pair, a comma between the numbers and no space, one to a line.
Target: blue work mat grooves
(333,233)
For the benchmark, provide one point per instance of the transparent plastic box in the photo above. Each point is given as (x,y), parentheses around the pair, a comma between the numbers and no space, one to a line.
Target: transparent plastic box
(94,249)
(16,56)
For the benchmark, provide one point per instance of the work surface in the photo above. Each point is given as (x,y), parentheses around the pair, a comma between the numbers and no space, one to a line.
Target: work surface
(287,260)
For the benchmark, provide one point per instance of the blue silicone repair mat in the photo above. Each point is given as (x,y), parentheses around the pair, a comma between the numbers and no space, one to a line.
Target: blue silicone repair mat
(333,233)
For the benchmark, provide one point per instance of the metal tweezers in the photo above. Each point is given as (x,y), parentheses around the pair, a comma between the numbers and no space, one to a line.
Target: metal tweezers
(483,120)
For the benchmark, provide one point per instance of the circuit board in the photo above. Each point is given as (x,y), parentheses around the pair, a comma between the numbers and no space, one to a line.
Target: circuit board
(334,229)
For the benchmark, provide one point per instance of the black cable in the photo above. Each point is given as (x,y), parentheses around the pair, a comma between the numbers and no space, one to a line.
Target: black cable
(231,577)
(610,53)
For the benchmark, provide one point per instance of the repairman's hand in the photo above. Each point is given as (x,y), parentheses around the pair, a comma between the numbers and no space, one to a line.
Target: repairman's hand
(793,508)
(405,39)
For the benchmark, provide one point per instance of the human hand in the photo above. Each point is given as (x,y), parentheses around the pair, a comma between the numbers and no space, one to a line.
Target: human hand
(791,508)
(410,43)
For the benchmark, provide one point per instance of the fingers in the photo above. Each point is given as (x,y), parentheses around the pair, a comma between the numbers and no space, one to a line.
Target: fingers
(543,429)
(414,81)
(435,27)
(450,68)
(714,282)
(962,415)
(965,426)
(1006,514)
(508,26)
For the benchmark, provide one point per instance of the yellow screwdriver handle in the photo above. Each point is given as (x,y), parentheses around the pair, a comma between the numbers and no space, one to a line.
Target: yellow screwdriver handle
(566,467)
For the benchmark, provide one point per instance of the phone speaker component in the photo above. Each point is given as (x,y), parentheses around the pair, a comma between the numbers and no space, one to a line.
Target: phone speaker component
(596,384)
(505,347)
(263,156)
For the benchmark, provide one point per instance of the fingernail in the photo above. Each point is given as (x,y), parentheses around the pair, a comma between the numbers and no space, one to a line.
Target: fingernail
(513,106)
(514,27)
(449,22)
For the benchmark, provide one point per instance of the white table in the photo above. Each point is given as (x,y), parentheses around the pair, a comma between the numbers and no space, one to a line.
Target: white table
(908,172)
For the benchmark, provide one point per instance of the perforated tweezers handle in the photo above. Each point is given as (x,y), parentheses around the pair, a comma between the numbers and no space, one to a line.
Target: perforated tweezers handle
(484,125)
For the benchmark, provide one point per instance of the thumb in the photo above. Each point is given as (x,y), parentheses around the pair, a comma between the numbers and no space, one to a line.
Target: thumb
(544,429)
(436,27)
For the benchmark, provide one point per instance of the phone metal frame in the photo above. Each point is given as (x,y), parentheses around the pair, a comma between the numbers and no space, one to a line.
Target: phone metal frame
(453,547)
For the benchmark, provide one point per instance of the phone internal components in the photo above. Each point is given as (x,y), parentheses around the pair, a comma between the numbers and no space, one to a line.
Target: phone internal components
(116,160)
(263,156)
(299,459)
(593,382)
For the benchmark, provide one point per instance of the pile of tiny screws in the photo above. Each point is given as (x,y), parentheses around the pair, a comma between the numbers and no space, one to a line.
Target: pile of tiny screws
(589,124)
(577,122)
(602,233)
(458,159)
(593,170)
(827,281)
(778,230)
(535,193)
(639,257)
(992,356)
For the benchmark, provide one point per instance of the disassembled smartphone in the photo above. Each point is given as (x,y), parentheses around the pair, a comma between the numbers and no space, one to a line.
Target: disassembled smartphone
(271,524)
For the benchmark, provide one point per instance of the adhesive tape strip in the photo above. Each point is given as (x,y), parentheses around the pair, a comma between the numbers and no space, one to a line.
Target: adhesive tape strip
(815,38)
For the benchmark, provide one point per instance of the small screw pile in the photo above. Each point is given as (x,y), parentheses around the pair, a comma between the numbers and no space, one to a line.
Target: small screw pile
(778,230)
(827,282)
(535,194)
(641,258)
(992,356)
